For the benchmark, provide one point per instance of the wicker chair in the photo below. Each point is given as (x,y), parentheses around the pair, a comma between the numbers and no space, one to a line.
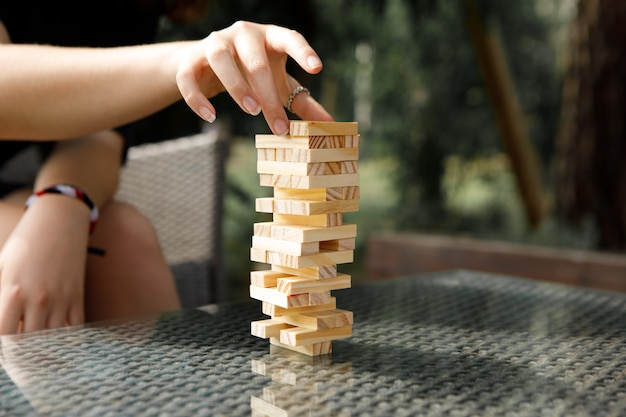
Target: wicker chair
(178,185)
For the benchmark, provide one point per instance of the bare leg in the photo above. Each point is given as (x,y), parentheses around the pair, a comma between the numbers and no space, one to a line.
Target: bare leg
(132,278)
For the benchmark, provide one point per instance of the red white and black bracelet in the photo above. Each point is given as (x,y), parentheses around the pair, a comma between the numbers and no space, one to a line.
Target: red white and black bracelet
(70,191)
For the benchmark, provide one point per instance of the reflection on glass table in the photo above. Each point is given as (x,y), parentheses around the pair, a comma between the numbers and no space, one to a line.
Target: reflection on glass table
(459,343)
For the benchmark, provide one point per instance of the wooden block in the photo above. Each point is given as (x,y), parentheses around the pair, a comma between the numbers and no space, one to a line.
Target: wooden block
(266,278)
(263,229)
(318,194)
(297,285)
(316,320)
(281,395)
(294,261)
(308,182)
(299,336)
(317,272)
(276,311)
(315,128)
(338,244)
(271,295)
(314,194)
(353,141)
(318,298)
(324,181)
(292,168)
(302,142)
(278,142)
(297,233)
(264,205)
(349,167)
(258,255)
(284,154)
(332,168)
(351,193)
(317,220)
(266,154)
(285,246)
(260,407)
(305,207)
(269,180)
(313,349)
(267,328)
(317,155)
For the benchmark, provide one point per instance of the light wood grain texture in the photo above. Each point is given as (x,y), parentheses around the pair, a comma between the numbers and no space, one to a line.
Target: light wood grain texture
(272,295)
(304,142)
(267,328)
(285,246)
(338,244)
(317,220)
(318,194)
(299,336)
(266,278)
(263,229)
(260,407)
(320,297)
(317,320)
(314,194)
(308,182)
(317,272)
(266,154)
(310,155)
(304,207)
(299,233)
(276,311)
(314,128)
(314,349)
(295,261)
(307,168)
(296,285)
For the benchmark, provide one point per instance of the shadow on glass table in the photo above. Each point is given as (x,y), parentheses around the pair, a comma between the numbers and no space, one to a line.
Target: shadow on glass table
(457,343)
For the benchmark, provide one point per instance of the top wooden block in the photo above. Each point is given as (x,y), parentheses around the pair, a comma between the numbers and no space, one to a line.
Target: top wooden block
(308,128)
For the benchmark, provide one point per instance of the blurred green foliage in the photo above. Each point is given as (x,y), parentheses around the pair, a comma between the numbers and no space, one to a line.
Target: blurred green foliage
(408,72)
(426,91)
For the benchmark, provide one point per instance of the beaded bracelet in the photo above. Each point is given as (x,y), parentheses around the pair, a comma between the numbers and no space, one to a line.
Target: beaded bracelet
(70,191)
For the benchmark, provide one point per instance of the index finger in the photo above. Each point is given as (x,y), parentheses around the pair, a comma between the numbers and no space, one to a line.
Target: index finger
(295,45)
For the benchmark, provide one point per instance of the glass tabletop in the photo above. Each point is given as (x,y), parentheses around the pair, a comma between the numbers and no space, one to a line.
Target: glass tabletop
(457,344)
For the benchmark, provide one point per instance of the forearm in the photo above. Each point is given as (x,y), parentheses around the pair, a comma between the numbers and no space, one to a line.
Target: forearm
(91,163)
(49,92)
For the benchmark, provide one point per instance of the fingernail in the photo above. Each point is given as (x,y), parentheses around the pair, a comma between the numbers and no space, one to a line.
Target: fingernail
(251,105)
(313,61)
(281,127)
(207,114)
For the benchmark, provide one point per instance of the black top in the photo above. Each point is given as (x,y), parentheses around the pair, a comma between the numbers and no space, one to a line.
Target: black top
(77,23)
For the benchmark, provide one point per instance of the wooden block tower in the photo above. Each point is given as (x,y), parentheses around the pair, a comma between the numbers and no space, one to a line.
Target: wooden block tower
(314,175)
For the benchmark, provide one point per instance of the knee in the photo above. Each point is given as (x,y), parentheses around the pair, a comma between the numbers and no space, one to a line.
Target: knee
(123,225)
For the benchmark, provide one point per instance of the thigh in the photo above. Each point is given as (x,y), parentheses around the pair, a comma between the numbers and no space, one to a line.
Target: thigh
(132,277)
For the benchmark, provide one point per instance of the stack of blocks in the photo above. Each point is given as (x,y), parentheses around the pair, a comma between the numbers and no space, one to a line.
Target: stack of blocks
(314,174)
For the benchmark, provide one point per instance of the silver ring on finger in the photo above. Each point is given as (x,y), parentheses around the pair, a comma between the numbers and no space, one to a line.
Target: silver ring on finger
(299,89)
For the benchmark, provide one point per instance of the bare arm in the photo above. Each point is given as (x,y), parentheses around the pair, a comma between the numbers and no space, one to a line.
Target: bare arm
(42,263)
(49,92)
(52,92)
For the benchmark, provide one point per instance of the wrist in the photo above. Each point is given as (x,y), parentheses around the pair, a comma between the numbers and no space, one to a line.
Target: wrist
(70,191)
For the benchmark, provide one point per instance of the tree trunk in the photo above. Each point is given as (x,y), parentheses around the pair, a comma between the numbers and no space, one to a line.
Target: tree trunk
(591,163)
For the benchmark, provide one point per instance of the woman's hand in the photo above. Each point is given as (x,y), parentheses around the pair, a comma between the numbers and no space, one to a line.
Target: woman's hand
(42,267)
(248,61)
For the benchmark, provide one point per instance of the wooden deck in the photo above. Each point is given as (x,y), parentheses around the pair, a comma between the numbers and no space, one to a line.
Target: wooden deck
(395,255)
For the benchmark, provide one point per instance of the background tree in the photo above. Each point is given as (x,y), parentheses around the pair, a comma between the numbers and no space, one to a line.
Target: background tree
(592,138)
